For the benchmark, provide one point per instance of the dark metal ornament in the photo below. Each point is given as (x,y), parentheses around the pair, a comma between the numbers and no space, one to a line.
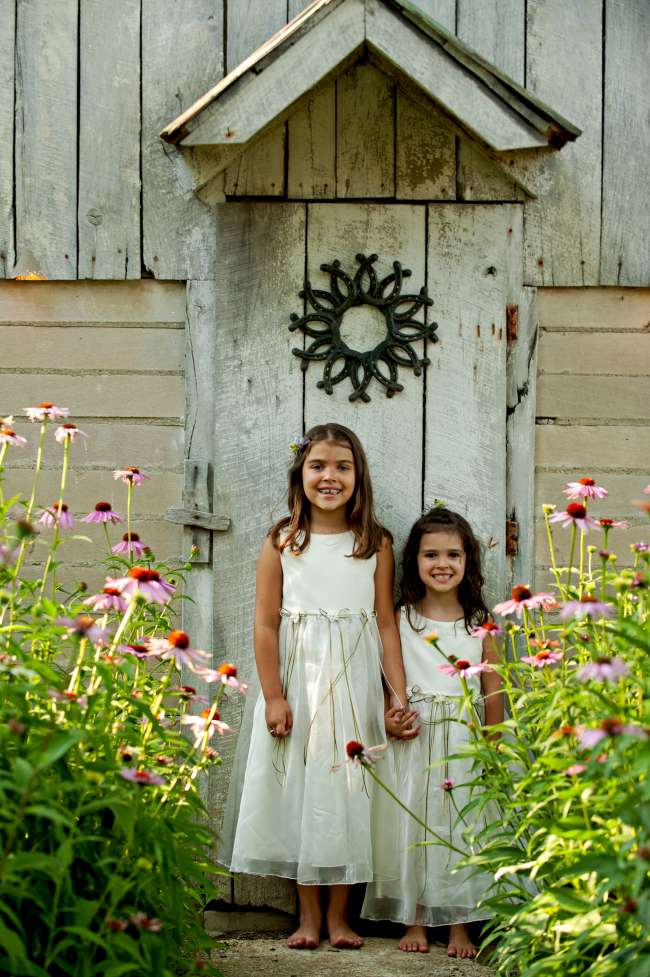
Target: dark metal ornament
(329,308)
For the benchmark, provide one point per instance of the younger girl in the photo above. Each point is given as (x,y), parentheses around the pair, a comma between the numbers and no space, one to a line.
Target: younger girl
(323,613)
(441,601)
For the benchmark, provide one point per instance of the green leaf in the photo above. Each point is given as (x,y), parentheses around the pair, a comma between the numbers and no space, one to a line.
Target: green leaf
(57,746)
(568,900)
(42,811)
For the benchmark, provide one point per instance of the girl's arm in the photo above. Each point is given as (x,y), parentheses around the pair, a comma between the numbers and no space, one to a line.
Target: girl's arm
(268,600)
(393,665)
(491,684)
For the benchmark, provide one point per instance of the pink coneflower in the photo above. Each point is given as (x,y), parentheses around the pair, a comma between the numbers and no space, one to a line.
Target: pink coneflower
(488,630)
(85,626)
(586,607)
(604,670)
(585,488)
(202,723)
(144,922)
(46,411)
(366,756)
(116,925)
(447,784)
(9,436)
(130,543)
(147,582)
(462,667)
(68,432)
(521,598)
(139,650)
(226,674)
(575,514)
(188,694)
(575,769)
(640,547)
(543,658)
(8,555)
(49,516)
(609,727)
(103,513)
(66,696)
(130,476)
(145,778)
(176,647)
(108,600)
(613,524)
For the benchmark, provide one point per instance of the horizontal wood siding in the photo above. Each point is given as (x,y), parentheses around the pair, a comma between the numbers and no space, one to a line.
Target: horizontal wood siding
(113,354)
(593,408)
(93,192)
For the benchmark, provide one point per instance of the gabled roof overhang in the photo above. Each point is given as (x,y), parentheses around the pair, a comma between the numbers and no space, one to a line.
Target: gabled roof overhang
(326,38)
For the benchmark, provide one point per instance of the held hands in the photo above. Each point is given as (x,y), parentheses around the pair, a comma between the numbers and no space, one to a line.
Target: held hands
(279,719)
(401,722)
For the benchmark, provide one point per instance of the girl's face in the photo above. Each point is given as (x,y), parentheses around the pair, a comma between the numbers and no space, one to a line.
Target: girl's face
(441,561)
(328,476)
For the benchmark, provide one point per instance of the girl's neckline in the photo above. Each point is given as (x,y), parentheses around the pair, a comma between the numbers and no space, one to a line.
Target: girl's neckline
(435,620)
(344,532)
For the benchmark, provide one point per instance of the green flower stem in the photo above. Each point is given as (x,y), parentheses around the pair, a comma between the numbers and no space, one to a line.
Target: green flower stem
(75,678)
(32,499)
(551,550)
(3,452)
(157,702)
(571,552)
(581,575)
(123,623)
(107,537)
(129,495)
(57,520)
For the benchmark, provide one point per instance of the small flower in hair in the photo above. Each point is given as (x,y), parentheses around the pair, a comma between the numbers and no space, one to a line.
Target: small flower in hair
(298,445)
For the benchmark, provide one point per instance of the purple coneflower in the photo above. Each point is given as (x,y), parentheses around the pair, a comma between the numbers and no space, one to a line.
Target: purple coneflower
(613,524)
(130,476)
(585,488)
(460,666)
(46,411)
(9,436)
(139,650)
(144,922)
(202,723)
(145,778)
(488,630)
(521,598)
(640,547)
(176,647)
(226,674)
(130,543)
(66,696)
(609,727)
(147,582)
(366,756)
(109,599)
(586,607)
(103,513)
(448,784)
(85,626)
(188,694)
(543,658)
(575,514)
(57,512)
(116,925)
(68,432)
(575,769)
(604,670)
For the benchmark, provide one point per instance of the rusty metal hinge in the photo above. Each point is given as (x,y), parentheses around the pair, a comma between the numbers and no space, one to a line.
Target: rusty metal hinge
(512,537)
(512,322)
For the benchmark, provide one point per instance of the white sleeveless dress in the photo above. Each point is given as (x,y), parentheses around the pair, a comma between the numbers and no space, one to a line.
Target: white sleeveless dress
(305,813)
(427,893)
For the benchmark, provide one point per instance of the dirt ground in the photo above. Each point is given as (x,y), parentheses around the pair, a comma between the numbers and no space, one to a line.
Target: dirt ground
(268,956)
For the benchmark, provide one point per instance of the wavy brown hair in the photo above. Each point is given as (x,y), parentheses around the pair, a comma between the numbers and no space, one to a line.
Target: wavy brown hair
(470,589)
(295,528)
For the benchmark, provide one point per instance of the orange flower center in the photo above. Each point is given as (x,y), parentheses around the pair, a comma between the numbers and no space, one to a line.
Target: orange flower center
(586,599)
(576,510)
(228,670)
(103,507)
(141,649)
(354,749)
(134,471)
(46,405)
(143,574)
(59,506)
(520,593)
(131,538)
(605,523)
(9,431)
(142,775)
(111,591)
(69,427)
(586,481)
(541,656)
(179,639)
(206,713)
(461,664)
(491,626)
(85,621)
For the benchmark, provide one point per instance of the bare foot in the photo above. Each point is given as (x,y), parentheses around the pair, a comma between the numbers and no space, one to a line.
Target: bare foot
(342,937)
(460,944)
(306,937)
(414,940)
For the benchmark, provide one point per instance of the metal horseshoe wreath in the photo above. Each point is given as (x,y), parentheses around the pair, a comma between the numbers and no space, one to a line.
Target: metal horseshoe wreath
(323,326)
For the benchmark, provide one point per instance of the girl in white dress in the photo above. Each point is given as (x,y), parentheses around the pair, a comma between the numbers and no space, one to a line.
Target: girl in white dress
(442,603)
(323,622)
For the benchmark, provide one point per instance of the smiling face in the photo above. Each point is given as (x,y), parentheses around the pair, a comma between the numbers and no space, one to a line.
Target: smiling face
(441,561)
(328,476)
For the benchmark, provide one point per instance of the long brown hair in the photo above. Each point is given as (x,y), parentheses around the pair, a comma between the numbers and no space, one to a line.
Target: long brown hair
(295,528)
(470,589)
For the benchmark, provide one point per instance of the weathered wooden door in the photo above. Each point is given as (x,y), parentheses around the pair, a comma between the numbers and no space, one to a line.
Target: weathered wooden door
(443,436)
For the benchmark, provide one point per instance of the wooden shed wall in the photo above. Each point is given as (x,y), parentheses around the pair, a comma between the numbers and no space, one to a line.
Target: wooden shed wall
(114,354)
(87,186)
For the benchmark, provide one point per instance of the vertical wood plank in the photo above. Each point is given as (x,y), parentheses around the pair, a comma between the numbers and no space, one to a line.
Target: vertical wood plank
(497,30)
(390,429)
(109,140)
(365,133)
(296,6)
(564,68)
(472,251)
(258,411)
(425,160)
(625,243)
(311,146)
(46,135)
(7,59)
(250,23)
(182,57)
(259,171)
(442,11)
